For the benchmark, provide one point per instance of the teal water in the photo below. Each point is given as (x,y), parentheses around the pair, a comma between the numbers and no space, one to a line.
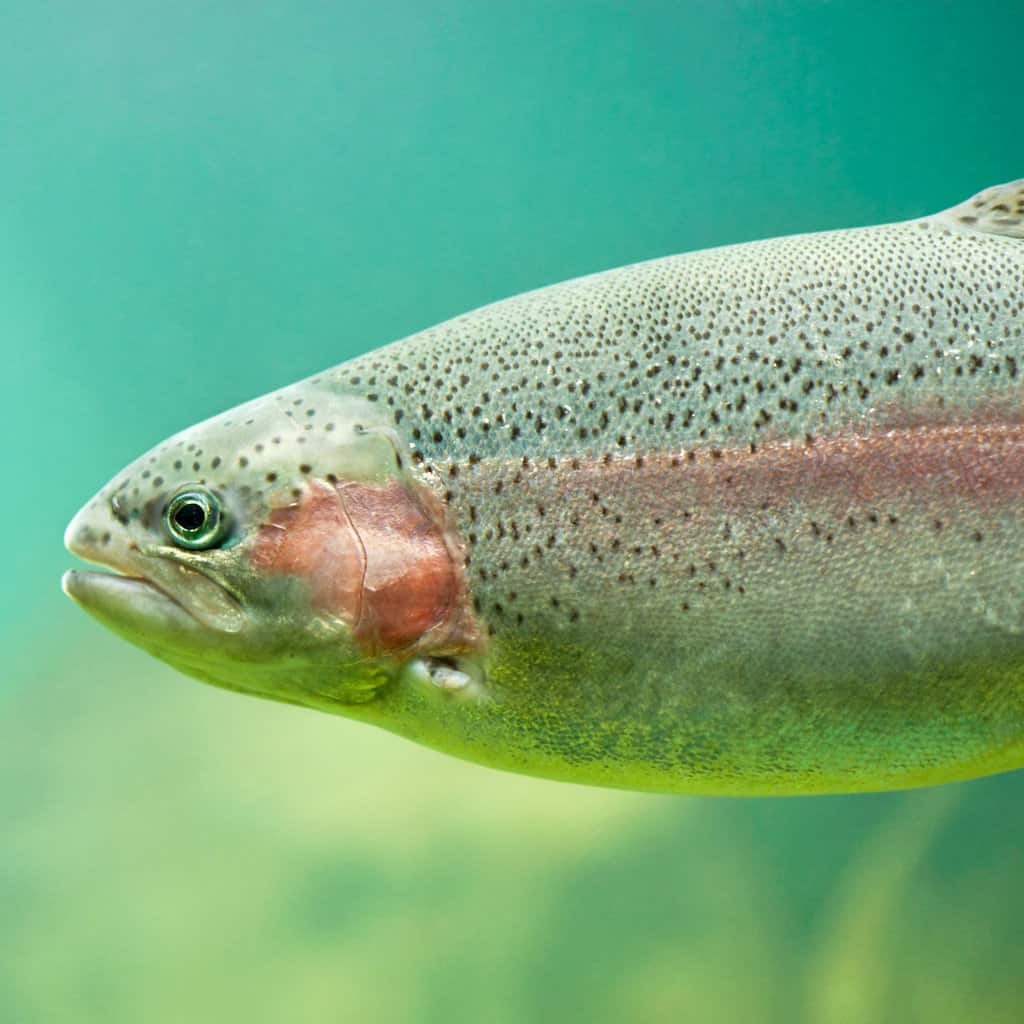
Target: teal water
(203,201)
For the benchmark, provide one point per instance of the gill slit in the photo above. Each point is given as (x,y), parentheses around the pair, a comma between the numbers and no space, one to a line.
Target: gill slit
(365,558)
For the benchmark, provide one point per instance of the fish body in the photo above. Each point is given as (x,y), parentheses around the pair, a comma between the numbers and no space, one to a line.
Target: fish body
(747,520)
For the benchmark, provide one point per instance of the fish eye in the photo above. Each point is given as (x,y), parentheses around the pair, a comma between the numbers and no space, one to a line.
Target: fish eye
(193,518)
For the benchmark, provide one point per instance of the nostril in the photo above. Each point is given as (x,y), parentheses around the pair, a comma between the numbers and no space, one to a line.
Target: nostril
(117,508)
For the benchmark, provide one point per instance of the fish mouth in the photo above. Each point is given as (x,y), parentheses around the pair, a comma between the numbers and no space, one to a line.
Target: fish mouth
(125,601)
(137,592)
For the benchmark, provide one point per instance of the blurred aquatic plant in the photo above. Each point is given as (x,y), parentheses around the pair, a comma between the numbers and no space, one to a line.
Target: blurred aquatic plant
(173,853)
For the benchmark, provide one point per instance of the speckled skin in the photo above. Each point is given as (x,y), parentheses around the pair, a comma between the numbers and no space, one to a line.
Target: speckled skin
(746,520)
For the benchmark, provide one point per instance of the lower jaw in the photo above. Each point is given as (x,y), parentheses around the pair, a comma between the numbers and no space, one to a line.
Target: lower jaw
(127,603)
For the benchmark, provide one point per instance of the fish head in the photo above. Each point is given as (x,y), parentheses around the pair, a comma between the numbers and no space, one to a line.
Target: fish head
(286,549)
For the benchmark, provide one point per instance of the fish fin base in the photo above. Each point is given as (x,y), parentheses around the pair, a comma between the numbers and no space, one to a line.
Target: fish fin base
(998,210)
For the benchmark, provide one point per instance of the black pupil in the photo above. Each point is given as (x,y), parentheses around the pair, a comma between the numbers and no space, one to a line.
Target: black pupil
(190,516)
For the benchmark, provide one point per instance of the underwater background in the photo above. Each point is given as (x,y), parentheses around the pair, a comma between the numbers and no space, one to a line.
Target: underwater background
(203,201)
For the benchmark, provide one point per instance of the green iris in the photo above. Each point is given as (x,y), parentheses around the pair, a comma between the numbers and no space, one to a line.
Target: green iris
(193,518)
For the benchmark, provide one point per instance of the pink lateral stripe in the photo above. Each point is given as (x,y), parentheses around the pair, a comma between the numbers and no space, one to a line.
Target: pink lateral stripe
(977,463)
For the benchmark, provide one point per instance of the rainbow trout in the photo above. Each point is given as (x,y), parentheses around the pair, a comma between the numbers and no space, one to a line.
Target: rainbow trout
(741,521)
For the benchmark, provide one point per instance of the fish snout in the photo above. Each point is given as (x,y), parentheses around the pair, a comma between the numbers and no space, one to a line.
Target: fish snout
(84,536)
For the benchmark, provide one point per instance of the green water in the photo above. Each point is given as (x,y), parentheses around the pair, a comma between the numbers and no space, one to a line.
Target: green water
(203,201)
